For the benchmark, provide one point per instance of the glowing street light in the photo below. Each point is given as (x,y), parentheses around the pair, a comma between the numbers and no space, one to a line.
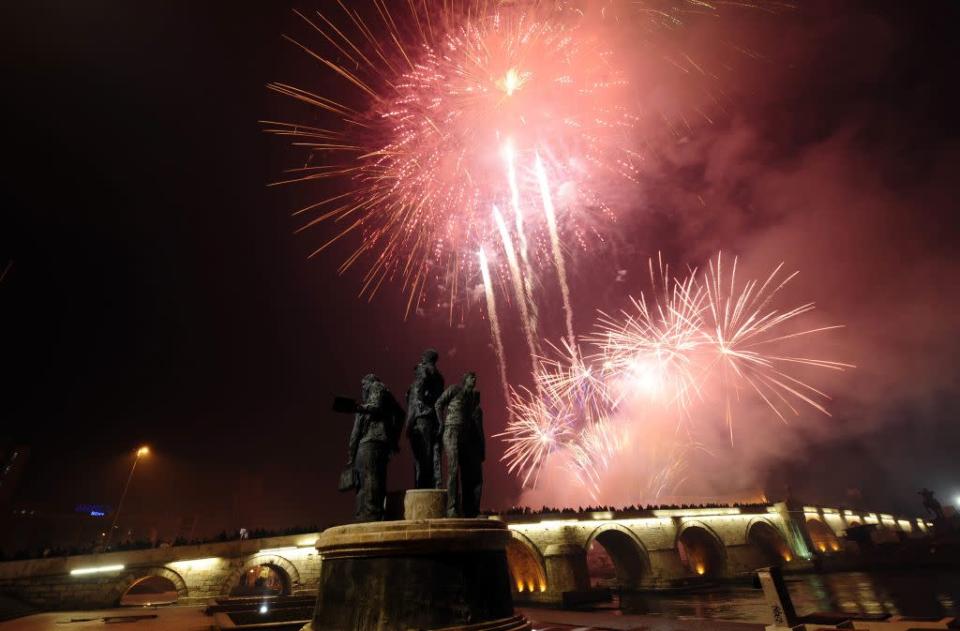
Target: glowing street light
(141,452)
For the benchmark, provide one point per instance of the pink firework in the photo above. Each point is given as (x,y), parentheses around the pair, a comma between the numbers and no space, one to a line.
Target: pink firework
(651,350)
(743,335)
(565,376)
(695,341)
(539,425)
(433,104)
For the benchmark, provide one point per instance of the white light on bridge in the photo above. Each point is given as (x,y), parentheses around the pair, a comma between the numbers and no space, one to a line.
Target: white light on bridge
(263,608)
(290,552)
(196,564)
(96,570)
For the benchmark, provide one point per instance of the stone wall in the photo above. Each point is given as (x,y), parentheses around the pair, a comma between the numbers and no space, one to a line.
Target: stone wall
(198,572)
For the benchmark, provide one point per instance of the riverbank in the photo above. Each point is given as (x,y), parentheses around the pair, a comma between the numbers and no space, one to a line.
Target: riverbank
(192,618)
(187,618)
(615,620)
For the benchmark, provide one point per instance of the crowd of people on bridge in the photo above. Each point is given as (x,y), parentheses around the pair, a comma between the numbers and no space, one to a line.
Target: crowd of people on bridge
(549,510)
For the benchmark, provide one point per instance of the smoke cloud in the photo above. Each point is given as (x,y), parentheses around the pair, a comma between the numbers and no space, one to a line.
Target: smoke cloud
(834,155)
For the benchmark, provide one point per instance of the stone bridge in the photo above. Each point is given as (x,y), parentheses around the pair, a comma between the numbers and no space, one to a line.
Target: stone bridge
(664,547)
(548,555)
(196,572)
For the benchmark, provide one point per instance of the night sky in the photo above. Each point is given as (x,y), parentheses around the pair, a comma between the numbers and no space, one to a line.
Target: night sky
(158,294)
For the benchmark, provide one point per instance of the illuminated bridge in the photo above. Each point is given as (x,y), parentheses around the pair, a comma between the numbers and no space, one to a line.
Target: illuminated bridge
(549,555)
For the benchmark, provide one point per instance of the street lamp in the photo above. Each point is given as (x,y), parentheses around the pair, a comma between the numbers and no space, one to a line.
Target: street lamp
(141,452)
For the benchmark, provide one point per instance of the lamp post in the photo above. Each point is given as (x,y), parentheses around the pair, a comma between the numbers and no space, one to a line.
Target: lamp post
(141,452)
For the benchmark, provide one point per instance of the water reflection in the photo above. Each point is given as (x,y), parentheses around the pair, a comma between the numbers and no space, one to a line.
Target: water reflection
(918,593)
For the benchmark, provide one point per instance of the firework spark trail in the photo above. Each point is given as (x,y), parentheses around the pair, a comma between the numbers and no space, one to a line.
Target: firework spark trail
(529,331)
(593,452)
(565,376)
(548,211)
(739,323)
(494,323)
(509,156)
(538,426)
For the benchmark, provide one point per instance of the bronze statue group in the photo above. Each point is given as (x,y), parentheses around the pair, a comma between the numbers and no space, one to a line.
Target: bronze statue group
(437,421)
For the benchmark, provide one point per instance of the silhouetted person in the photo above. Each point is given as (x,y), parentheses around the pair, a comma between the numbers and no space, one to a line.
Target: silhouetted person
(423,427)
(930,503)
(461,420)
(376,432)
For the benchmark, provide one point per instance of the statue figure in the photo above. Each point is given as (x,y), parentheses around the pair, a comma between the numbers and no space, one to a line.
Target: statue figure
(461,422)
(931,503)
(376,433)
(423,427)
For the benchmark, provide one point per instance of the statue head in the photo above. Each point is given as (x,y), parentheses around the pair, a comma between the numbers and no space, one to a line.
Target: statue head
(430,356)
(368,381)
(470,380)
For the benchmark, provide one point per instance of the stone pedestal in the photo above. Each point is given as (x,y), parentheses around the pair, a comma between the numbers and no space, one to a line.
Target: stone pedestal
(424,504)
(434,574)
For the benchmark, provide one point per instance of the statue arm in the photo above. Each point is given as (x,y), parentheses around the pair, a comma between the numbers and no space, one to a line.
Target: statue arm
(478,420)
(440,385)
(399,416)
(373,402)
(441,405)
(416,395)
(355,436)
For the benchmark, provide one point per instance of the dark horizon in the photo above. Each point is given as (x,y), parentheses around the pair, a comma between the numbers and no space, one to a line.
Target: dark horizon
(159,296)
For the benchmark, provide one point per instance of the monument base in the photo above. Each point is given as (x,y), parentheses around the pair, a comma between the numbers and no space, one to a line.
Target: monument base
(432,574)
(514,623)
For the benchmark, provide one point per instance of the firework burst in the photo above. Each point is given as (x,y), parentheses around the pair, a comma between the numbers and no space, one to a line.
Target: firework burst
(740,333)
(565,376)
(653,369)
(443,97)
(651,350)
(539,425)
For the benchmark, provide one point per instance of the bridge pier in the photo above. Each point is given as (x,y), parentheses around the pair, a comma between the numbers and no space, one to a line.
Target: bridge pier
(566,570)
(665,567)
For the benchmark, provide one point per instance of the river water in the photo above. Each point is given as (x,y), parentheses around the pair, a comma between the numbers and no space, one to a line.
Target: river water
(914,593)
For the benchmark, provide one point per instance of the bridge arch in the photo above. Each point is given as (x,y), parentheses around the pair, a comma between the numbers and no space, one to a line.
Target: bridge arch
(137,575)
(527,568)
(822,536)
(286,571)
(768,541)
(631,563)
(701,549)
